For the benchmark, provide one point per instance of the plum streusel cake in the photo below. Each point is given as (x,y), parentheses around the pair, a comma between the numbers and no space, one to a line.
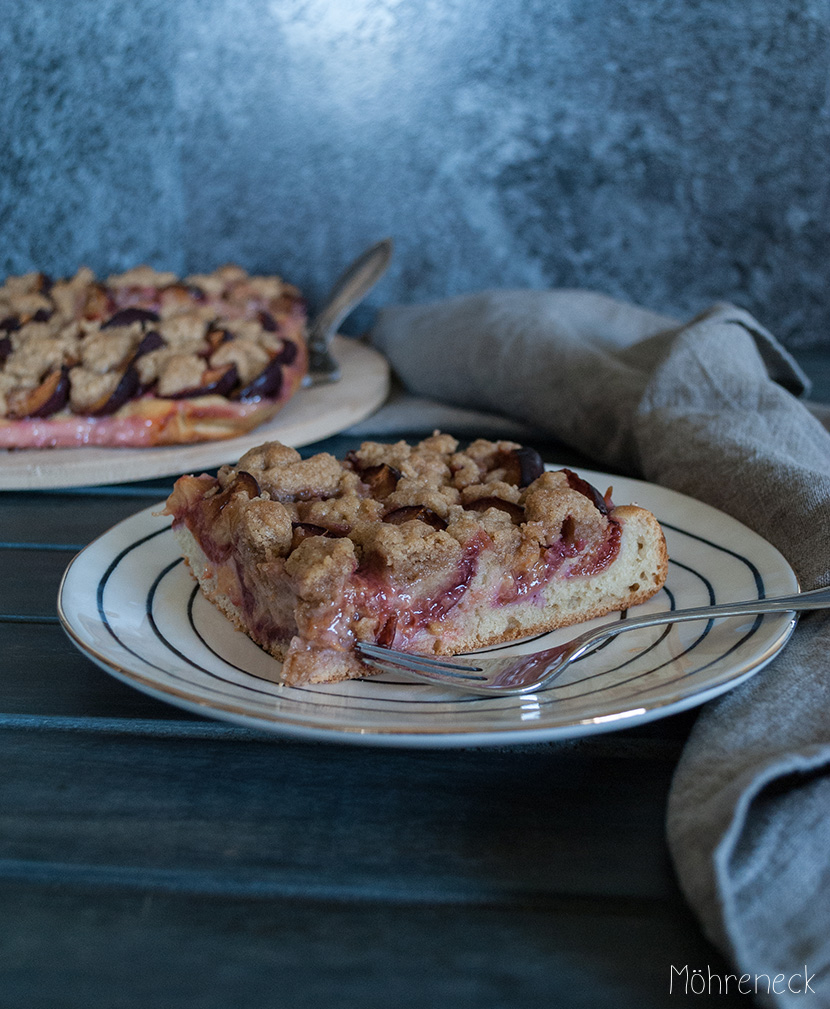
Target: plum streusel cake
(425,548)
(145,358)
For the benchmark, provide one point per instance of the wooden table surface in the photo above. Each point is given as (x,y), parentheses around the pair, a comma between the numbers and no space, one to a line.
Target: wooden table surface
(150,859)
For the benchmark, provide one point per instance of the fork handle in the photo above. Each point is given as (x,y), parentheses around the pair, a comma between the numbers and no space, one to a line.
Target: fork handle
(817,599)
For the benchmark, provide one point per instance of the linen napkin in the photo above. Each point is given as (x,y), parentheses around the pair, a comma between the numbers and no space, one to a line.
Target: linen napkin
(708,407)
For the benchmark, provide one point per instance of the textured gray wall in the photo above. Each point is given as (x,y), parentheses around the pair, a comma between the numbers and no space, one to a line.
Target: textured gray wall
(665,152)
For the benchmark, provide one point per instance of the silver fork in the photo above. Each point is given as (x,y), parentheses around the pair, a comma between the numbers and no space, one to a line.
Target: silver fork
(519,674)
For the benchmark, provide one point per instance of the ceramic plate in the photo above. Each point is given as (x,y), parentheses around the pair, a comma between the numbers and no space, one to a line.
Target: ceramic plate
(311,414)
(130,604)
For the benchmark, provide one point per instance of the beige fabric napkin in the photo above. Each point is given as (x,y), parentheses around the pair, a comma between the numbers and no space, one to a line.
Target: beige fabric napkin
(709,408)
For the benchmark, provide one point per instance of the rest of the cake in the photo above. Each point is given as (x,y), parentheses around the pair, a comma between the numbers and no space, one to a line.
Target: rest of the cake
(419,547)
(144,358)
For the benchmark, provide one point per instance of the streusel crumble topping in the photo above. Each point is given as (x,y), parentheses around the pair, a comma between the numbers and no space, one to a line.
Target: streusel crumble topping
(409,508)
(84,346)
(427,547)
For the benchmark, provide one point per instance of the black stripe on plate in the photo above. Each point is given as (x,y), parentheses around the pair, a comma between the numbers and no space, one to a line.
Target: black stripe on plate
(760,588)
(99,595)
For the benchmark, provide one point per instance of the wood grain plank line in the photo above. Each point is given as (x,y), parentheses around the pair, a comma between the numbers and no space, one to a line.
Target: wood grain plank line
(27,618)
(253,884)
(162,728)
(35,545)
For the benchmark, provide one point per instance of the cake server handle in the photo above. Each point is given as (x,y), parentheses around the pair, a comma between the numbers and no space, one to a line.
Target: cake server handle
(353,284)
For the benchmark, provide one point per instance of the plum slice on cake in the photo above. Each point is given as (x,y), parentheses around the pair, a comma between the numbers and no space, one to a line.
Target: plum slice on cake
(423,547)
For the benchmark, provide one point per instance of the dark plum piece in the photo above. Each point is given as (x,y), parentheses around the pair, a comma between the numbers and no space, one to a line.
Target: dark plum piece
(531,465)
(333,529)
(172,299)
(5,348)
(49,397)
(127,387)
(216,337)
(42,315)
(339,528)
(266,385)
(515,511)
(150,341)
(127,316)
(247,482)
(98,304)
(382,479)
(226,378)
(215,381)
(568,530)
(409,512)
(243,481)
(288,353)
(303,530)
(43,283)
(387,633)
(578,484)
(185,291)
(522,466)
(10,324)
(267,321)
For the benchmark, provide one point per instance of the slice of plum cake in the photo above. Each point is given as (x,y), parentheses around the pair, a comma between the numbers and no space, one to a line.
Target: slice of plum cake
(423,547)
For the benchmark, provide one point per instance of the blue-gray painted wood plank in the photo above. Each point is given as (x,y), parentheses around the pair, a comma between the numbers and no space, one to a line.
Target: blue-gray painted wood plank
(286,819)
(72,948)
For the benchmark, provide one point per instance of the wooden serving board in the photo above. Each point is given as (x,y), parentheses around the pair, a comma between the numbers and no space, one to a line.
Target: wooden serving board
(311,415)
